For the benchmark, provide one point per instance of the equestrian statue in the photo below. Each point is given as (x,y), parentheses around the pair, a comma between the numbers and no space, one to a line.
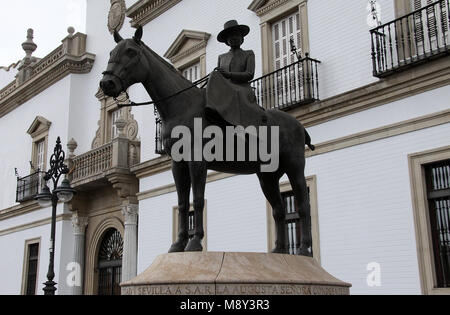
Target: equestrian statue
(227,100)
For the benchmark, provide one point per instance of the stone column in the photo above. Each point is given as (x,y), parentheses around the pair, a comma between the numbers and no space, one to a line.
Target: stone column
(79,231)
(129,260)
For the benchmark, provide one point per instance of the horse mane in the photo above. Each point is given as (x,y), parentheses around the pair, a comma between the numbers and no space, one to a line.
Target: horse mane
(167,64)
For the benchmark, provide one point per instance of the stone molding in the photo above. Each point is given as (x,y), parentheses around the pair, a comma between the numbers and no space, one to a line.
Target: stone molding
(116,15)
(432,75)
(179,48)
(70,57)
(159,165)
(17,210)
(425,254)
(108,104)
(18,228)
(38,126)
(262,7)
(131,214)
(145,11)
(79,224)
(93,246)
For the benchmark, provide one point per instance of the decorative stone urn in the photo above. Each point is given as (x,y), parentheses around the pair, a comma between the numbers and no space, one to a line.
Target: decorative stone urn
(218,273)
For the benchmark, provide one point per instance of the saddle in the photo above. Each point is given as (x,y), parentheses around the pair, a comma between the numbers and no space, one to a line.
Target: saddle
(232,104)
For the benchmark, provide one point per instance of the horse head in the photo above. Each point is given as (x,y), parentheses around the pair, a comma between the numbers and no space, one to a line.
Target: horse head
(125,66)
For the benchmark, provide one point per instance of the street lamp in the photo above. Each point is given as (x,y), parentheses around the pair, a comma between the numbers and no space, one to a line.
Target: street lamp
(63,193)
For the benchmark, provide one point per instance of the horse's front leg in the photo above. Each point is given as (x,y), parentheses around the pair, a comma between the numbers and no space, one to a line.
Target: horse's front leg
(198,173)
(182,179)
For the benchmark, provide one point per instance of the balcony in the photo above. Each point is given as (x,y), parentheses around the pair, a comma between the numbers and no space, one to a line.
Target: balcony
(28,187)
(289,87)
(411,40)
(94,167)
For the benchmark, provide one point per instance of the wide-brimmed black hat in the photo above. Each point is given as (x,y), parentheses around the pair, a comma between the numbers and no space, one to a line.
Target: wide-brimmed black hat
(231,26)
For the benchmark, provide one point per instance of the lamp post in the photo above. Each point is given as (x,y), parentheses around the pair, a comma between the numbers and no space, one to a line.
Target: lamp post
(46,198)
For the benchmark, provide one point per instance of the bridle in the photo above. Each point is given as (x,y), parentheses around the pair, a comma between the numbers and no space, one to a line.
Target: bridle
(131,63)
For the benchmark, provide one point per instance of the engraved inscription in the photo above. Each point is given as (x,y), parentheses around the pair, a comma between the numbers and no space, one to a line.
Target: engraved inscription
(235,289)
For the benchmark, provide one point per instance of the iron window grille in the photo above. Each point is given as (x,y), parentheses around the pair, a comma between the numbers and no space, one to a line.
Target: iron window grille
(32,265)
(438,193)
(292,223)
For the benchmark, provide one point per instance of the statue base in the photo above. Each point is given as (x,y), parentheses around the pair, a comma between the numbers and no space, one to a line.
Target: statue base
(217,273)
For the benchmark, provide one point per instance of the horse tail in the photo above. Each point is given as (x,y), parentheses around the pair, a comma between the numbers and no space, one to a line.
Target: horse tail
(308,141)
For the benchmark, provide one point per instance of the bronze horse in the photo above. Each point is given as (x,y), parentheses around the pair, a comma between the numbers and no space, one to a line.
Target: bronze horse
(133,62)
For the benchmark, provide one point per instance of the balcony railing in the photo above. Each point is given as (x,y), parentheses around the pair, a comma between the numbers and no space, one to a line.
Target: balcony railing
(28,187)
(292,86)
(92,163)
(411,39)
(286,88)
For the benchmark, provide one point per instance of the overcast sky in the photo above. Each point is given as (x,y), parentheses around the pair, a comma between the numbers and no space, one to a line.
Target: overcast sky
(48,18)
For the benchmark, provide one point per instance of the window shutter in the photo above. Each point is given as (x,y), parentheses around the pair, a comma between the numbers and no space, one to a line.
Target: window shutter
(283,31)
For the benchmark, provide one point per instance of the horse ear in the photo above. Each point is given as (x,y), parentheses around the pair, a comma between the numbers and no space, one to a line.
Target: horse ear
(138,35)
(117,37)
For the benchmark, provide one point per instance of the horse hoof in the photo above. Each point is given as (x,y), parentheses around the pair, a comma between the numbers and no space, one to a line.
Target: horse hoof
(194,245)
(303,251)
(278,250)
(177,247)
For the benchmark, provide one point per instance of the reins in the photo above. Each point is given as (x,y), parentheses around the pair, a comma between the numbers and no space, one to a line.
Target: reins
(203,80)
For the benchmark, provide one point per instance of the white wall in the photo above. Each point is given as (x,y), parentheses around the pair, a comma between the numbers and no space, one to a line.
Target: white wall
(236,224)
(51,104)
(13,251)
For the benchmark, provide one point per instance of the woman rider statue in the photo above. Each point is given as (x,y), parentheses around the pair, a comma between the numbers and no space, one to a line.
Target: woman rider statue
(229,93)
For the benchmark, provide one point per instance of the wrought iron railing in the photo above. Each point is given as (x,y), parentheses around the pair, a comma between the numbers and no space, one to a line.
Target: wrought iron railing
(411,39)
(92,163)
(29,186)
(291,86)
(286,88)
(159,148)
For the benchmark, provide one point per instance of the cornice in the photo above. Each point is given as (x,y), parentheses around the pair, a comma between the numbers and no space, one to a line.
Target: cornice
(46,72)
(20,209)
(263,7)
(174,54)
(145,11)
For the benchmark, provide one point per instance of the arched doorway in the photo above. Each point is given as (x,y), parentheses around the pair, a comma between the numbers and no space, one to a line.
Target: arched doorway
(110,263)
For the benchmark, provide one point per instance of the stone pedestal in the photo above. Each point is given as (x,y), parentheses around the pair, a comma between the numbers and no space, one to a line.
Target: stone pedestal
(217,273)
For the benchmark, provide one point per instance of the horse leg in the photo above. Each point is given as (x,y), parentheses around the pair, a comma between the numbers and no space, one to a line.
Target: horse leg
(271,188)
(198,173)
(300,189)
(180,172)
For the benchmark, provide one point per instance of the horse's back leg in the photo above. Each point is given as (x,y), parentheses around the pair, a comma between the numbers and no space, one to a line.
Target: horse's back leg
(182,179)
(300,189)
(270,186)
(198,173)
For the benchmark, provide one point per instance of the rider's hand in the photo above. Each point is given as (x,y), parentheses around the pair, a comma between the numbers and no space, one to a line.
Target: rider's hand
(225,73)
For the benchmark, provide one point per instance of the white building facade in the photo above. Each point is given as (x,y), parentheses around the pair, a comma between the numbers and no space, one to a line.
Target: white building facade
(375,104)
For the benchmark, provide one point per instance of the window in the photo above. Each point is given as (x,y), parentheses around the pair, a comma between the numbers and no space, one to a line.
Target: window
(292,220)
(278,25)
(192,73)
(114,117)
(38,131)
(110,263)
(191,224)
(285,30)
(430,191)
(187,54)
(438,195)
(40,162)
(30,270)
